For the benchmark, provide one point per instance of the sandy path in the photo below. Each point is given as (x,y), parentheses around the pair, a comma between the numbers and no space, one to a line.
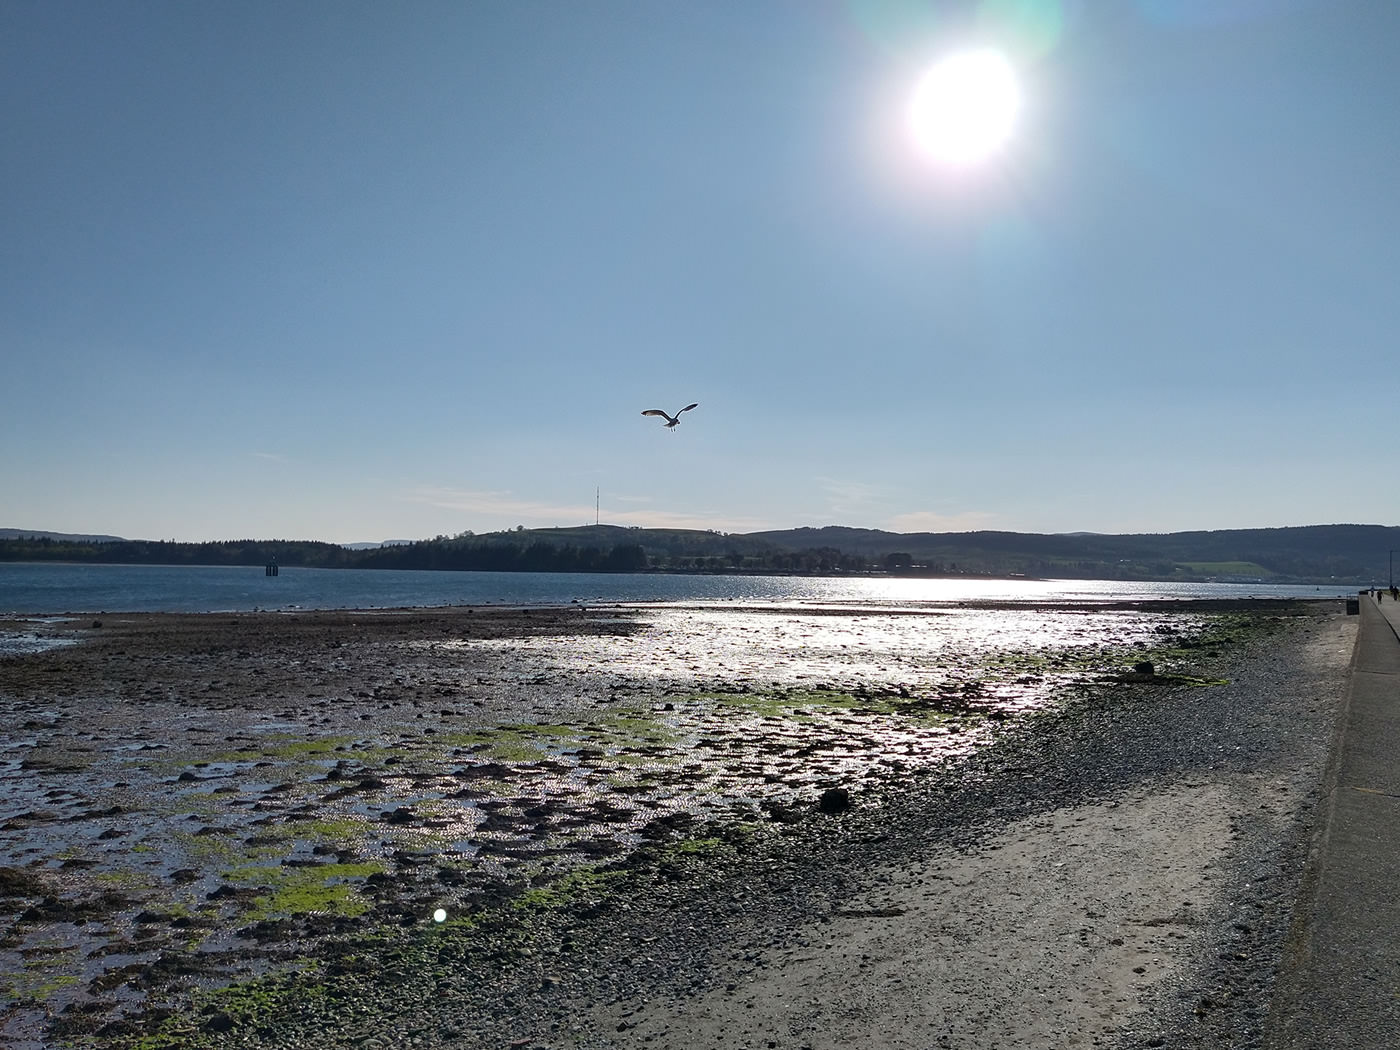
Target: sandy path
(1048,937)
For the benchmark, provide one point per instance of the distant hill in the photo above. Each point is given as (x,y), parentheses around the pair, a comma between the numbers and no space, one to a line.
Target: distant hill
(1311,553)
(70,537)
(1322,554)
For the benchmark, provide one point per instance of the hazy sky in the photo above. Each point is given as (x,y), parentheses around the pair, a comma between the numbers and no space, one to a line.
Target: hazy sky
(357,271)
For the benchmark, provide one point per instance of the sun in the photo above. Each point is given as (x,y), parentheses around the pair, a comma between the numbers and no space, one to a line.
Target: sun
(964,108)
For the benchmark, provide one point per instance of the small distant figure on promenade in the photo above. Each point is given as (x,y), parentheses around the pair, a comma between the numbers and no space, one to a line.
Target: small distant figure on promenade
(1394,593)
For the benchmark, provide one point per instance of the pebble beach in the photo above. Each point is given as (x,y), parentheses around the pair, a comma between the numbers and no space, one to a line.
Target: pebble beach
(660,826)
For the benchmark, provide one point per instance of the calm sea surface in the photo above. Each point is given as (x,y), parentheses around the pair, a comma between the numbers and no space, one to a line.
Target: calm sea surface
(48,589)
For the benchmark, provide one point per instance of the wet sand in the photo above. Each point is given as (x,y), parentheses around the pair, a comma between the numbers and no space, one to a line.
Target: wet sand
(619,812)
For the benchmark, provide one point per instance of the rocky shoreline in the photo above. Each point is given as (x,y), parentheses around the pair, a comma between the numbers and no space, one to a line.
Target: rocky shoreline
(1110,853)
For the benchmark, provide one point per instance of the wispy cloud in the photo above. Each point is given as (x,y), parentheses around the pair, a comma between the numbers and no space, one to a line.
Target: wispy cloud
(504,504)
(933,521)
(661,519)
(507,506)
(276,457)
(850,500)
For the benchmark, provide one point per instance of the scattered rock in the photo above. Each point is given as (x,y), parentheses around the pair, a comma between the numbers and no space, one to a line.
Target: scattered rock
(834,800)
(17,882)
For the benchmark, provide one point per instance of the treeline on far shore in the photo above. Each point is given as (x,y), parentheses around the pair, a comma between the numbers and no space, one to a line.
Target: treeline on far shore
(312,554)
(498,553)
(1332,554)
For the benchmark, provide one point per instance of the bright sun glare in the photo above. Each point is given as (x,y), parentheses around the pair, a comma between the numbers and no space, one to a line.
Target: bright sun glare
(964,108)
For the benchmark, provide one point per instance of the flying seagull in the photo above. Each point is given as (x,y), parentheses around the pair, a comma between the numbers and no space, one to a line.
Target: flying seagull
(671,420)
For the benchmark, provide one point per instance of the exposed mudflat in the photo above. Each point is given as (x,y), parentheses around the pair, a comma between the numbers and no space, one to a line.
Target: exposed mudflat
(662,827)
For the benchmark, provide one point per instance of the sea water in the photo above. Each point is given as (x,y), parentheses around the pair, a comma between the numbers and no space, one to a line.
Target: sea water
(30,589)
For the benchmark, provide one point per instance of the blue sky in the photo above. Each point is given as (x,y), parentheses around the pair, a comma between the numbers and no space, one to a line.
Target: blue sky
(357,271)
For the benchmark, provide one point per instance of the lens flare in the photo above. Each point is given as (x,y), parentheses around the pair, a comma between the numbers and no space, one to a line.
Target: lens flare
(1032,27)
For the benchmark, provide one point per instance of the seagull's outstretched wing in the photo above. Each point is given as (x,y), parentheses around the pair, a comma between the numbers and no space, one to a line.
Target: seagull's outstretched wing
(689,407)
(656,412)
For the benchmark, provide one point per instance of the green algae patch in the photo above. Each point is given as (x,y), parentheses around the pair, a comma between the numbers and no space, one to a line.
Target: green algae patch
(512,743)
(1183,643)
(1219,631)
(695,851)
(248,1006)
(587,885)
(283,748)
(221,848)
(525,743)
(310,898)
(333,831)
(698,846)
(41,978)
(252,1008)
(569,889)
(640,728)
(48,967)
(321,889)
(792,703)
(287,747)
(775,705)
(191,804)
(461,924)
(340,830)
(124,879)
(815,705)
(263,875)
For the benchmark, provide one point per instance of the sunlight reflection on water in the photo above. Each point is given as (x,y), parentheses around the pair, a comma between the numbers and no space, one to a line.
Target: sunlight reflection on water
(46,588)
(20,643)
(794,647)
(767,705)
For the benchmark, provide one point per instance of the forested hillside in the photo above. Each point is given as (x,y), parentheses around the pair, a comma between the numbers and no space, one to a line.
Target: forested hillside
(1359,554)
